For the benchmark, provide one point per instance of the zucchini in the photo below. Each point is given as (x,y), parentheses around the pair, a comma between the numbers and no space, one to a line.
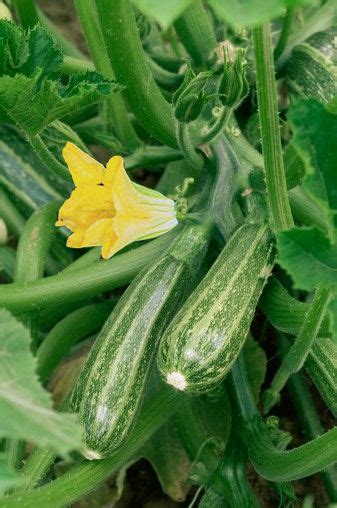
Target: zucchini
(111,386)
(206,336)
(312,68)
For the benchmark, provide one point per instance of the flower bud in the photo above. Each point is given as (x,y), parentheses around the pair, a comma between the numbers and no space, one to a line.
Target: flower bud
(234,84)
(190,98)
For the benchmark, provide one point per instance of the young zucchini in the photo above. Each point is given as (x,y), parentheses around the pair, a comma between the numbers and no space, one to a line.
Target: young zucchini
(111,385)
(206,336)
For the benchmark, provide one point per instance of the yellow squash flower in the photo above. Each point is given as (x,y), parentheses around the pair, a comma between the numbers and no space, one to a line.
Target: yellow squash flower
(107,208)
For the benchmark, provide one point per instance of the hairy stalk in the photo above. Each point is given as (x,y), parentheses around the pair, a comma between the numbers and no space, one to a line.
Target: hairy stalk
(48,159)
(285,32)
(35,468)
(279,207)
(80,284)
(26,12)
(297,354)
(116,112)
(305,210)
(196,32)
(192,157)
(72,65)
(217,127)
(82,479)
(309,420)
(130,65)
(271,463)
(31,255)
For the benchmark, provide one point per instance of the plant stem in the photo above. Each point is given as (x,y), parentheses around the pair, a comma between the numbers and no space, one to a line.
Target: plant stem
(286,313)
(297,354)
(80,284)
(31,256)
(269,462)
(73,65)
(192,157)
(70,134)
(83,478)
(35,468)
(48,158)
(68,48)
(12,217)
(164,78)
(74,327)
(196,32)
(117,114)
(35,242)
(309,420)
(217,127)
(26,12)
(120,33)
(149,156)
(279,207)
(87,259)
(305,209)
(286,29)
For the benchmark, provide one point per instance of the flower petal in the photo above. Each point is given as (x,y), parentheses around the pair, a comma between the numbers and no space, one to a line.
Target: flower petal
(98,232)
(84,169)
(85,206)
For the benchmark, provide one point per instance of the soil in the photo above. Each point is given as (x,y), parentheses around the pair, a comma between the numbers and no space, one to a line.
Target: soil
(141,487)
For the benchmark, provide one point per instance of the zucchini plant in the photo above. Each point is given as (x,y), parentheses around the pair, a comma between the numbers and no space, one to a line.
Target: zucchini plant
(168,253)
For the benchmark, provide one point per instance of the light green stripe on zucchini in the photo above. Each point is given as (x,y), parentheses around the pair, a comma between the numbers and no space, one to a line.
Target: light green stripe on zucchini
(111,386)
(206,336)
(312,68)
(22,182)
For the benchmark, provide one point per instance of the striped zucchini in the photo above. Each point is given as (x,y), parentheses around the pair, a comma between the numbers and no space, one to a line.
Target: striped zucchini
(206,336)
(111,385)
(312,68)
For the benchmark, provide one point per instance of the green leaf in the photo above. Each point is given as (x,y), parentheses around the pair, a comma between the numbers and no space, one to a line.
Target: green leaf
(32,94)
(25,407)
(256,365)
(8,477)
(170,461)
(26,51)
(309,257)
(162,11)
(250,12)
(315,134)
(33,104)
